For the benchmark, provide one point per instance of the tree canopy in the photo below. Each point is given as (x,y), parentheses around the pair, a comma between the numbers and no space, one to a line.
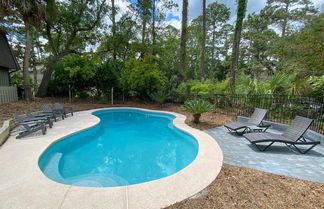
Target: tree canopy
(95,45)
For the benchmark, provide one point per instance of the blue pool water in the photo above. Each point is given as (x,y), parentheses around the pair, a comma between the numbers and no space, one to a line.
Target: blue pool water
(127,147)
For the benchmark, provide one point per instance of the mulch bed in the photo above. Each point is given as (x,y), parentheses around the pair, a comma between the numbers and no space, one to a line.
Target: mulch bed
(234,187)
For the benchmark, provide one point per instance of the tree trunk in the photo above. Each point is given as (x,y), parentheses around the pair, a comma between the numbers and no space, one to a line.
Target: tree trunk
(284,23)
(203,44)
(213,42)
(236,43)
(144,22)
(113,20)
(183,43)
(42,90)
(34,71)
(153,26)
(196,118)
(28,94)
(226,46)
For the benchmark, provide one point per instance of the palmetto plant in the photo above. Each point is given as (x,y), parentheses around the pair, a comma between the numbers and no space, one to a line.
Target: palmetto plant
(196,108)
(159,97)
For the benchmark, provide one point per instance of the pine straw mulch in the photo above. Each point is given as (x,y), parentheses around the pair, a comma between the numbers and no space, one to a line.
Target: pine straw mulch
(234,187)
(239,187)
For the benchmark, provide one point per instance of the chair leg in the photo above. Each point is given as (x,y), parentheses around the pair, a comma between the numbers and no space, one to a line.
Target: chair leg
(241,132)
(50,122)
(264,149)
(43,129)
(21,134)
(304,152)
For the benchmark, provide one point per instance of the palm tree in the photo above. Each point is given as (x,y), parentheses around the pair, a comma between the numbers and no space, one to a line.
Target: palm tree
(183,43)
(242,4)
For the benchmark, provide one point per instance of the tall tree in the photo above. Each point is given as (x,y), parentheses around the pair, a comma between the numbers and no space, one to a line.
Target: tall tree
(124,42)
(153,25)
(69,27)
(30,12)
(183,43)
(283,12)
(258,39)
(158,11)
(241,9)
(203,43)
(217,15)
(143,9)
(113,27)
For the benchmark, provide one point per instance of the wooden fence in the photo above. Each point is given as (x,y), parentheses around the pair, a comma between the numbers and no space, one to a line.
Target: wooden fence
(8,94)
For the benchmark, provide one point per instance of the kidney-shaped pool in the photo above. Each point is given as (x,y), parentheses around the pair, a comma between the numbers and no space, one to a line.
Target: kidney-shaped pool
(127,147)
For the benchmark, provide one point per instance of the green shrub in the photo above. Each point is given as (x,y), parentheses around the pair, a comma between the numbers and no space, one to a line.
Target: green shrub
(316,85)
(196,108)
(16,78)
(82,94)
(107,76)
(159,97)
(78,71)
(103,99)
(203,87)
(142,76)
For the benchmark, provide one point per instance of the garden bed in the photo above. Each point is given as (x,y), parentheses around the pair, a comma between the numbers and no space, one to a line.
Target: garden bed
(235,187)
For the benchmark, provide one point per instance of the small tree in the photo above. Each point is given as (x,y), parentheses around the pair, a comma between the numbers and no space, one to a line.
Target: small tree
(196,108)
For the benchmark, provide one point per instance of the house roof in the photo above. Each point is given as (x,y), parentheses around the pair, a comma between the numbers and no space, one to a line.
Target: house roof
(8,60)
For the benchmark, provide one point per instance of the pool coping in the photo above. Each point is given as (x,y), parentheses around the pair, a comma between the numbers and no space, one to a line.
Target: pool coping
(153,194)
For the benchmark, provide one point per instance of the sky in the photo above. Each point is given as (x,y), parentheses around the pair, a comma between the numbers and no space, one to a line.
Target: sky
(195,8)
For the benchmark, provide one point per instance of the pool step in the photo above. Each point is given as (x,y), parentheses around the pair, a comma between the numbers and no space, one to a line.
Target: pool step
(51,168)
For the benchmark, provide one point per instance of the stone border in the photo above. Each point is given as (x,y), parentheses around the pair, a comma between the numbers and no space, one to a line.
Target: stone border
(26,176)
(4,131)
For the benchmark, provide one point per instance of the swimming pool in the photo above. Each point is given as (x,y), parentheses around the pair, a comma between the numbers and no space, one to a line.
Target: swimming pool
(127,147)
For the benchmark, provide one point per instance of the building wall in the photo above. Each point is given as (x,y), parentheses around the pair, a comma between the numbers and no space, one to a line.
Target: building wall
(4,77)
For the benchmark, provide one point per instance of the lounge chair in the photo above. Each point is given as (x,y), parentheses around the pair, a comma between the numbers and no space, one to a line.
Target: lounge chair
(63,110)
(255,121)
(292,136)
(53,113)
(30,127)
(45,117)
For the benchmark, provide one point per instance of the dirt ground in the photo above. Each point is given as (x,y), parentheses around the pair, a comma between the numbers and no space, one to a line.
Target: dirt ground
(235,187)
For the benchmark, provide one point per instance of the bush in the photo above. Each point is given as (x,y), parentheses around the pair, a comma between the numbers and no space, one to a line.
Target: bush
(316,85)
(107,76)
(205,87)
(196,108)
(75,70)
(103,99)
(159,97)
(142,76)
(17,78)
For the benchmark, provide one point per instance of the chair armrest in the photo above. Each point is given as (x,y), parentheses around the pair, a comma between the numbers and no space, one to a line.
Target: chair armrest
(31,122)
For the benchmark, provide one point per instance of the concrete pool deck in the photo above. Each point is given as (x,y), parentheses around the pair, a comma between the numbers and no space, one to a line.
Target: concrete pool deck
(23,185)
